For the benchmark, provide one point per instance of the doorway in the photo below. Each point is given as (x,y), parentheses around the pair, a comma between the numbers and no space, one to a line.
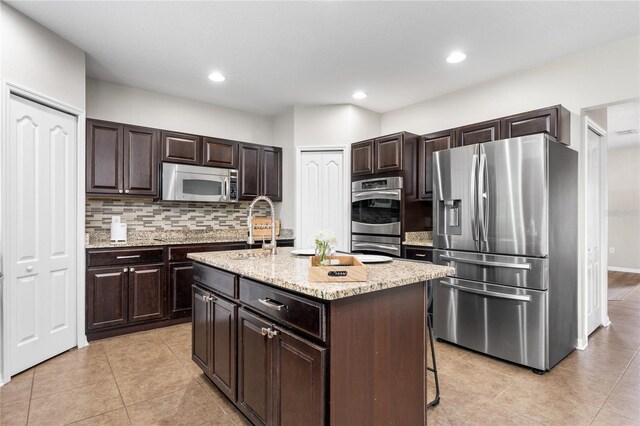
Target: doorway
(322,195)
(41,231)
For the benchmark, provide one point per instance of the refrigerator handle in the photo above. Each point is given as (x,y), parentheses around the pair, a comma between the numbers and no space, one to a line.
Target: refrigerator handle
(474,198)
(483,195)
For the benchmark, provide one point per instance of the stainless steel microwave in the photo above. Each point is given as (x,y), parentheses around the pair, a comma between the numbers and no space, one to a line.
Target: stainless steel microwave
(181,182)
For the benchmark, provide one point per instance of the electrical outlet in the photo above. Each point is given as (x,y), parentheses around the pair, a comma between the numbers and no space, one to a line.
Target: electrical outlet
(612,250)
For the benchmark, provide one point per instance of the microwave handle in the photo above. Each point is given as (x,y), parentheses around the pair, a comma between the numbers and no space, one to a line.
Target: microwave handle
(225,190)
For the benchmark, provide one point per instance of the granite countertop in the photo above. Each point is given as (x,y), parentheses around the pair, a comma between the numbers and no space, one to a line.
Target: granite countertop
(418,239)
(101,239)
(290,272)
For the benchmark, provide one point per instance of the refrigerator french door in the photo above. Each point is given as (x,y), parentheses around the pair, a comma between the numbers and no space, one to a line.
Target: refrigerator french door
(505,217)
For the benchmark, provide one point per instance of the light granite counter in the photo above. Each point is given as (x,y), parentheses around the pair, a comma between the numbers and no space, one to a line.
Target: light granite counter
(290,272)
(418,239)
(101,239)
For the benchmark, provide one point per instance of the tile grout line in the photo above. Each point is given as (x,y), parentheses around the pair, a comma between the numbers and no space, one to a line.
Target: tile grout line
(117,387)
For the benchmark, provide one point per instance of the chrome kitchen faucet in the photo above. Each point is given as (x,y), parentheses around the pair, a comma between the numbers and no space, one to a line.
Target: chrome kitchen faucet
(250,240)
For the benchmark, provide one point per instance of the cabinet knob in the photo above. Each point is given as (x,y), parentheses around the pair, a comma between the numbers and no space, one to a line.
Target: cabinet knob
(29,268)
(132,269)
(272,333)
(120,191)
(125,270)
(126,191)
(265,331)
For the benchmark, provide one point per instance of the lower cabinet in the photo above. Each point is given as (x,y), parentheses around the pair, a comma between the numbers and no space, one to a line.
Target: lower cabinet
(122,295)
(414,253)
(180,279)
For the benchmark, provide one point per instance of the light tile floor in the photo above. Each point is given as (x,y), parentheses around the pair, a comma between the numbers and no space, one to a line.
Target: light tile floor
(148,378)
(599,386)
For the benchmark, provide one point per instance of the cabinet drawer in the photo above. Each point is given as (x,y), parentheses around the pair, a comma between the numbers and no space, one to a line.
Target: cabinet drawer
(216,280)
(180,252)
(418,254)
(302,314)
(124,257)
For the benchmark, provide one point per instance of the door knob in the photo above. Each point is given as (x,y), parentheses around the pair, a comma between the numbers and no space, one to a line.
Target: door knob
(29,268)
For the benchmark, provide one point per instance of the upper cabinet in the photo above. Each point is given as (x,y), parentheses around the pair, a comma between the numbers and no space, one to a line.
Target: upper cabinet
(220,153)
(478,133)
(121,159)
(553,121)
(181,148)
(260,171)
(381,155)
(429,144)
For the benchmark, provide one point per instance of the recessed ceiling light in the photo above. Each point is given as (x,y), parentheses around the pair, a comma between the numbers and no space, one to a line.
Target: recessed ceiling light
(359,95)
(216,76)
(456,57)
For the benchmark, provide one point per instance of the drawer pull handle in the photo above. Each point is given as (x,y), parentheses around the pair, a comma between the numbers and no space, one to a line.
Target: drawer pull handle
(488,263)
(272,333)
(265,331)
(420,255)
(488,293)
(134,256)
(272,304)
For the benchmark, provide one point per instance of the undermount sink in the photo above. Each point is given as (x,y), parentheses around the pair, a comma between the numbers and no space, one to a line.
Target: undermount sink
(249,255)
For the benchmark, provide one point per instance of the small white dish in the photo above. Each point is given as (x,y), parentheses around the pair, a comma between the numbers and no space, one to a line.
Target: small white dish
(372,258)
(304,252)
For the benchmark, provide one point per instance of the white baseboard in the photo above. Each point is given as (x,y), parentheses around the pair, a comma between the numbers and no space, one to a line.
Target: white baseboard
(623,269)
(583,342)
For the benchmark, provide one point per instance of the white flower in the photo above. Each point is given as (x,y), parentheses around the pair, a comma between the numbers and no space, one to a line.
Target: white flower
(326,236)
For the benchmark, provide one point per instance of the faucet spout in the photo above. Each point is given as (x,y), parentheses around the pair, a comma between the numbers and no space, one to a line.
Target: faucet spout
(272,246)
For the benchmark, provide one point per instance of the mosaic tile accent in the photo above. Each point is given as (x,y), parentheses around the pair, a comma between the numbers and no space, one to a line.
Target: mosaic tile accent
(142,215)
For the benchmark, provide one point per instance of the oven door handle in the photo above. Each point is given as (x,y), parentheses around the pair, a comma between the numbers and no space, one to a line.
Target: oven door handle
(487,292)
(368,195)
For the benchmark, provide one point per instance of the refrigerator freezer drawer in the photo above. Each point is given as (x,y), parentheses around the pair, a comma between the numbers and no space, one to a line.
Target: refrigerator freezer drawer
(505,322)
(515,271)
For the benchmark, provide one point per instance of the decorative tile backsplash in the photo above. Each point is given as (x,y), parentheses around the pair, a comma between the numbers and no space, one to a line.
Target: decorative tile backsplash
(141,215)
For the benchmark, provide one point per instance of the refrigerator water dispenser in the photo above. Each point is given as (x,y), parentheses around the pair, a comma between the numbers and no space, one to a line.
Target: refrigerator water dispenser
(449,217)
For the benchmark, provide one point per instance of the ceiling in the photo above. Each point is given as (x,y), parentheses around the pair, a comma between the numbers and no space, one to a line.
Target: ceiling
(278,54)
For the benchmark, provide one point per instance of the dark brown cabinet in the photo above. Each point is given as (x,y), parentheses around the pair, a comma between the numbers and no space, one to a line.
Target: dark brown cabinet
(478,133)
(121,159)
(106,297)
(181,280)
(220,153)
(214,338)
(362,158)
(388,153)
(553,121)
(147,292)
(260,171)
(429,144)
(181,148)
(415,253)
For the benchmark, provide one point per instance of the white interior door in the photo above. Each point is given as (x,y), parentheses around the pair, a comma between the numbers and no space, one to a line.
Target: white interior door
(323,202)
(42,182)
(594,207)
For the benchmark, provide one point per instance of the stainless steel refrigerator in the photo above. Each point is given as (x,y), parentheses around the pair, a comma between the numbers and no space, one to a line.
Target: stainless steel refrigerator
(505,216)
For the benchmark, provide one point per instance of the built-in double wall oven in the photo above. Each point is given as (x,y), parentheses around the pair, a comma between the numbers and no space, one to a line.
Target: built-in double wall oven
(376,215)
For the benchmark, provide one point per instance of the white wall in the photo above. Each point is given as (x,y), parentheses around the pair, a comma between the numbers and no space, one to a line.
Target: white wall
(331,125)
(623,179)
(115,102)
(283,128)
(37,59)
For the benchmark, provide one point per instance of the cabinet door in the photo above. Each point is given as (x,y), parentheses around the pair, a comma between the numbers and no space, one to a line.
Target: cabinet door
(362,158)
(106,297)
(141,161)
(272,173)
(478,133)
(180,282)
(201,337)
(428,145)
(220,153)
(181,148)
(147,292)
(299,392)
(223,365)
(254,368)
(388,153)
(532,122)
(249,156)
(104,157)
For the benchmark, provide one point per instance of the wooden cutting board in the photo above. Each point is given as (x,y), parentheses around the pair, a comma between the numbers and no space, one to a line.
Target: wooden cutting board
(262,227)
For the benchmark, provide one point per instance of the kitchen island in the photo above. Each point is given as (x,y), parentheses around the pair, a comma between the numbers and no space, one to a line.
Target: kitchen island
(289,351)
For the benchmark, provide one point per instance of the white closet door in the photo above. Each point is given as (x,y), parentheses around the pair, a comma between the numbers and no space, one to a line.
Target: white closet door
(323,203)
(594,218)
(42,186)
